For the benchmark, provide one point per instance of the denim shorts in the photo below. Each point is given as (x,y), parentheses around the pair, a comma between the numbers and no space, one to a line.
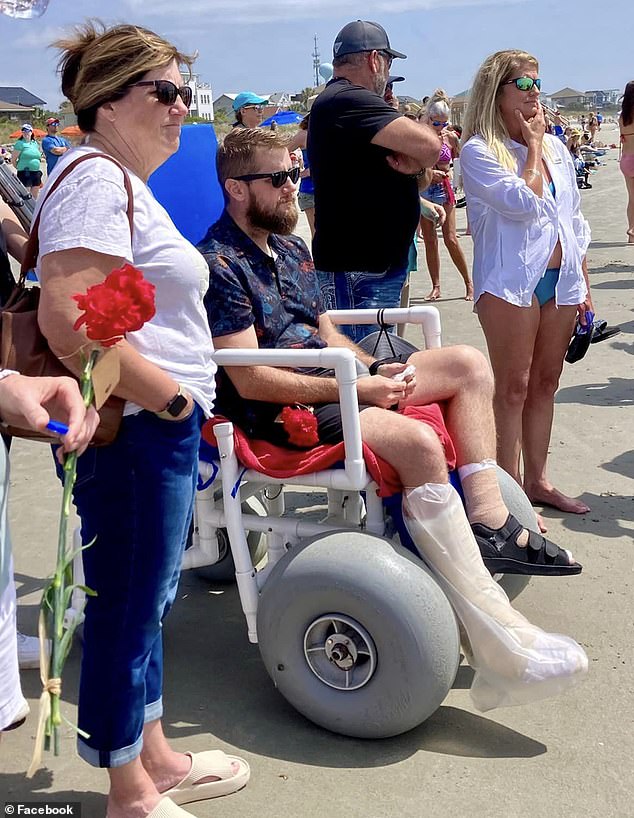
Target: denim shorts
(435,193)
(135,500)
(358,291)
(305,200)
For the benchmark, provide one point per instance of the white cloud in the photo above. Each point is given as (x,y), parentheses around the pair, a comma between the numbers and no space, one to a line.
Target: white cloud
(263,11)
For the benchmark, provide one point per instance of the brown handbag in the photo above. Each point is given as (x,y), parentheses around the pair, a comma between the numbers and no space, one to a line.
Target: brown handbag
(24,348)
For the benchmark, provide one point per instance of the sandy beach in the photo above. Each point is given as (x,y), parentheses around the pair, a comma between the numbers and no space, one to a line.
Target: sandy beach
(568,756)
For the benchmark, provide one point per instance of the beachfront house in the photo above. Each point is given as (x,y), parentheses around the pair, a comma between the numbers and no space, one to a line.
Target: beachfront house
(16,103)
(569,98)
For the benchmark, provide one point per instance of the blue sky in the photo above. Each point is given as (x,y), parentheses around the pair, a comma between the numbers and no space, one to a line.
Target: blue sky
(266,45)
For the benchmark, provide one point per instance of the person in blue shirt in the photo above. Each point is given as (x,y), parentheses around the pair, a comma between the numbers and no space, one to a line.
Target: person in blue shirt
(53,145)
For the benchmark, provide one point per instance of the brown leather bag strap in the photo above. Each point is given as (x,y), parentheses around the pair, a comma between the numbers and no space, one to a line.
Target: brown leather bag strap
(32,249)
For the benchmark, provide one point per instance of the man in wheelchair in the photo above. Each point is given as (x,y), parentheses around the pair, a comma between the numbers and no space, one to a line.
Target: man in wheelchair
(264,294)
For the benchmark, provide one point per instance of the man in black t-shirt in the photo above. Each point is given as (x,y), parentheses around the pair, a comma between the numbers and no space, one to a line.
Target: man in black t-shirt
(367,163)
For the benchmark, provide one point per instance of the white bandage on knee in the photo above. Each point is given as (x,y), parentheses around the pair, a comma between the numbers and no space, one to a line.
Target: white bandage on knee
(473,468)
(515,661)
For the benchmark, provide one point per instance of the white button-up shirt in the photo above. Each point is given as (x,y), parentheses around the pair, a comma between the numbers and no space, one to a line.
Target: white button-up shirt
(515,231)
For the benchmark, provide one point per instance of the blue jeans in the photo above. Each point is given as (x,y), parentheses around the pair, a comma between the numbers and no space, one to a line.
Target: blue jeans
(358,291)
(135,499)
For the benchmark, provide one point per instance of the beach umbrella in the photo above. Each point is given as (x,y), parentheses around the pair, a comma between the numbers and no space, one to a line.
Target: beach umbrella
(38,133)
(72,130)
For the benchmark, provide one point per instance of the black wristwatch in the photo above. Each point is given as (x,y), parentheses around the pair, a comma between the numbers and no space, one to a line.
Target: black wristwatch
(174,407)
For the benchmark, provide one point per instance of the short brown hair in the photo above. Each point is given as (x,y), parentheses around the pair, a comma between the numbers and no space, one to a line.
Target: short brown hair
(98,64)
(237,153)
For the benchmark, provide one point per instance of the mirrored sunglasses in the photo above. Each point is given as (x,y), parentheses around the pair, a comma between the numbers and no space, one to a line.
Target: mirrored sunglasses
(166,92)
(525,83)
(277,179)
(440,124)
(258,108)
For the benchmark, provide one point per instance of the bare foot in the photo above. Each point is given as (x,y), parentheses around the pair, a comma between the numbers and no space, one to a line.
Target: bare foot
(434,295)
(630,236)
(140,807)
(548,495)
(541,524)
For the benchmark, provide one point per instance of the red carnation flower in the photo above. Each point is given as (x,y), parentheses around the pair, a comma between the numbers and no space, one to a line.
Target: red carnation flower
(122,303)
(300,424)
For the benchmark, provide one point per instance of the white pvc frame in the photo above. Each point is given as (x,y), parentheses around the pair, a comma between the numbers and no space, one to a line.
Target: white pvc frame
(352,478)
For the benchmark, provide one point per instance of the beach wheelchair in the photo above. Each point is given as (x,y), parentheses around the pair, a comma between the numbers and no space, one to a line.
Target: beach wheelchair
(351,626)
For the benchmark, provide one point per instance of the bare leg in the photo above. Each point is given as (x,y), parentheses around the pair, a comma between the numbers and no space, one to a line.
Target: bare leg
(455,250)
(460,376)
(629,182)
(428,229)
(552,340)
(412,448)
(510,333)
(132,791)
(310,216)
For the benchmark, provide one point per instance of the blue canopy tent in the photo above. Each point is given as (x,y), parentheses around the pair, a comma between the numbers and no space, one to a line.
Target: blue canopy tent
(187,185)
(283,118)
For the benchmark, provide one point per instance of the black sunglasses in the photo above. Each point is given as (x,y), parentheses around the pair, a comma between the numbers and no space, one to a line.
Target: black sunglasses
(166,92)
(277,179)
(525,83)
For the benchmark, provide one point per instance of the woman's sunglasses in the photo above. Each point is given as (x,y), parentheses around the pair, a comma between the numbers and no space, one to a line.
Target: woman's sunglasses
(167,93)
(277,179)
(525,83)
(440,124)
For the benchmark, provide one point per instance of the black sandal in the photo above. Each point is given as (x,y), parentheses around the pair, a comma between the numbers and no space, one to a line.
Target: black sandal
(502,555)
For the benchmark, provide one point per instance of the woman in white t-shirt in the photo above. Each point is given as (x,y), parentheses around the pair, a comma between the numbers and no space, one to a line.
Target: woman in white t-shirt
(134,496)
(529,267)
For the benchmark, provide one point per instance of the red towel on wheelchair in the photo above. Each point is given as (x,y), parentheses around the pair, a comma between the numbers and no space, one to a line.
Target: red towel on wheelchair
(277,461)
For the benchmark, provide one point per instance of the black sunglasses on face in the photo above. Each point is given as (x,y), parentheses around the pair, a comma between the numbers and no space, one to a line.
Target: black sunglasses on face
(387,56)
(277,179)
(166,92)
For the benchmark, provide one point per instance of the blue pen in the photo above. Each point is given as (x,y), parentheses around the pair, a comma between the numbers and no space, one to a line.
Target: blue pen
(57,427)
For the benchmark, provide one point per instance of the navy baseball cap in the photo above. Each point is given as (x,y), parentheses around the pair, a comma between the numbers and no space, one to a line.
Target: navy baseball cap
(363,35)
(391,79)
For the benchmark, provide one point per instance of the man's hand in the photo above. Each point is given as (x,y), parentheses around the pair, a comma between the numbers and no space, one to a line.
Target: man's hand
(438,176)
(378,390)
(29,403)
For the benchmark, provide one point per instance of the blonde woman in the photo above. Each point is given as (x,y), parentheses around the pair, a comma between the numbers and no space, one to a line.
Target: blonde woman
(440,192)
(529,270)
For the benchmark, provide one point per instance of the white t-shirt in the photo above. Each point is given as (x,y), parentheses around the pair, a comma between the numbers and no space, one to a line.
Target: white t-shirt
(88,210)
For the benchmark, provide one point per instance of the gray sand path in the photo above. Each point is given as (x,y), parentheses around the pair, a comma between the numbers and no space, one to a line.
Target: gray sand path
(568,756)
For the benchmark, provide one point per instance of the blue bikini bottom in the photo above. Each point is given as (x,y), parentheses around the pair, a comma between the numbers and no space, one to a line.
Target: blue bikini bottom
(545,289)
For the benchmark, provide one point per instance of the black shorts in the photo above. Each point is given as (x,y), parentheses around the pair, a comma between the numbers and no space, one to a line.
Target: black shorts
(30,178)
(329,425)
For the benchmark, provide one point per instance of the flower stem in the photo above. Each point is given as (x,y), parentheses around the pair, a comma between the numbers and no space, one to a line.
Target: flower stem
(60,575)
